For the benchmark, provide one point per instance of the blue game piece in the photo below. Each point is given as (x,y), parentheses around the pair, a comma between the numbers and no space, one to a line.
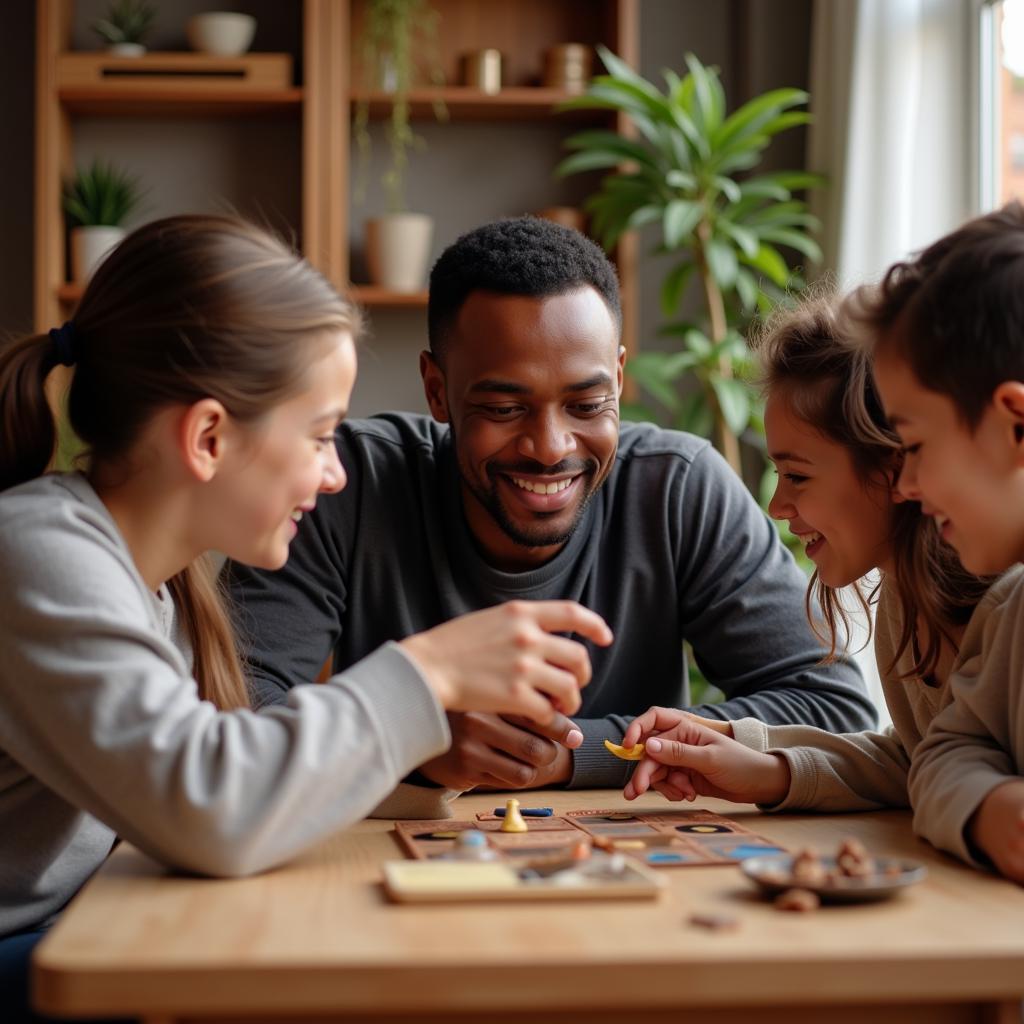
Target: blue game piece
(527,812)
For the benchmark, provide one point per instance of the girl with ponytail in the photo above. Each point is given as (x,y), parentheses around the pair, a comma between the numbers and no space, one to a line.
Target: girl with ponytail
(209,368)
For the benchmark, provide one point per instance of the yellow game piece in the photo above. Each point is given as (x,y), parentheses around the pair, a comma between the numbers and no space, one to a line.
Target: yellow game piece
(513,820)
(633,753)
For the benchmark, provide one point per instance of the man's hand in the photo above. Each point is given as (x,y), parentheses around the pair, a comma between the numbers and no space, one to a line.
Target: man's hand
(997,829)
(504,753)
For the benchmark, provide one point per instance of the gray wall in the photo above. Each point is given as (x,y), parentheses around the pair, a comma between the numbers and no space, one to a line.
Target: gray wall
(469,172)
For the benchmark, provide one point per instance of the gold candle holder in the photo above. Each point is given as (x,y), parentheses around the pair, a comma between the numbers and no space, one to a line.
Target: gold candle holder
(568,66)
(482,70)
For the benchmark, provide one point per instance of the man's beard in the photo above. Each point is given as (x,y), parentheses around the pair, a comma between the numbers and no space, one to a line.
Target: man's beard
(538,534)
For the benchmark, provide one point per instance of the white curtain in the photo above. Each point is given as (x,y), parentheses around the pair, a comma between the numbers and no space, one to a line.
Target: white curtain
(893,88)
(892,91)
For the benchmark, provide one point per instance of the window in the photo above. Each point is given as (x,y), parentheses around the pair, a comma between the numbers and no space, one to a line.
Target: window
(1001,167)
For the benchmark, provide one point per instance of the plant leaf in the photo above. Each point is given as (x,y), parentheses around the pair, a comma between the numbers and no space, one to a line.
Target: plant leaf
(681,217)
(734,401)
(749,118)
(795,240)
(681,179)
(698,343)
(746,288)
(588,160)
(611,142)
(722,262)
(771,264)
(743,237)
(647,369)
(727,187)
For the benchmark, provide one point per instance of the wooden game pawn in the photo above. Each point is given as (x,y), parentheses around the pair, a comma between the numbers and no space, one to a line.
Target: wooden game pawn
(513,820)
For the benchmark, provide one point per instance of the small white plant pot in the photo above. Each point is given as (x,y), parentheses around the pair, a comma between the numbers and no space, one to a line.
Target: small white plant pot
(222,33)
(126,49)
(89,248)
(398,250)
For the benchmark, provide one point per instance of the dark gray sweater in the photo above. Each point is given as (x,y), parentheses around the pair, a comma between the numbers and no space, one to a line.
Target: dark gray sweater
(671,547)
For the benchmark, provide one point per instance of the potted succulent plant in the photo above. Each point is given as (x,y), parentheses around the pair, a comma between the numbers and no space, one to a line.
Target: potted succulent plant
(97,201)
(394,33)
(125,26)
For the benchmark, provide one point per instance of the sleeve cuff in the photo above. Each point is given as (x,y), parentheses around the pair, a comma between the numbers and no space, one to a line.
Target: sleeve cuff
(417,802)
(803,779)
(592,766)
(752,733)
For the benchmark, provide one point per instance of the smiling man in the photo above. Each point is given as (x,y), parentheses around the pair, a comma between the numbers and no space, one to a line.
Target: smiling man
(523,484)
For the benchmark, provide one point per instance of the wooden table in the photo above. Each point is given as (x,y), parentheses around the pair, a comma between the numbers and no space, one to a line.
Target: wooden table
(318,940)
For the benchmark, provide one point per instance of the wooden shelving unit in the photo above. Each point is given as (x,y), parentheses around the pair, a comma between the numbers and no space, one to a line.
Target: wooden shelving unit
(180,85)
(523,103)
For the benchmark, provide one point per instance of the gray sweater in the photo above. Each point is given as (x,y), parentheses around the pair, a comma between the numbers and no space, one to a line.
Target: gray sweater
(671,548)
(102,731)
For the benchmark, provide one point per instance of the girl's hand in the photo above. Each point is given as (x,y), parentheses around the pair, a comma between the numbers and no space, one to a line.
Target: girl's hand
(658,720)
(691,760)
(997,829)
(506,659)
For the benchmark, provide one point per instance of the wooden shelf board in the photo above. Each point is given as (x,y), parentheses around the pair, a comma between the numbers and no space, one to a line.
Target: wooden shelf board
(191,100)
(372,295)
(462,102)
(365,294)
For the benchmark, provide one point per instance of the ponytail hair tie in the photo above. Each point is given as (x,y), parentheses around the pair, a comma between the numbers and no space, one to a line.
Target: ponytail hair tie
(64,344)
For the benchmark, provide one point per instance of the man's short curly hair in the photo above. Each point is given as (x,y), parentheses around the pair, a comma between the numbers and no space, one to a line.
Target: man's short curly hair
(519,256)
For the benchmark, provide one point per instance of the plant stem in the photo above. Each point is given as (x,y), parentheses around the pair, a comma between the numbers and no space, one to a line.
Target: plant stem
(728,443)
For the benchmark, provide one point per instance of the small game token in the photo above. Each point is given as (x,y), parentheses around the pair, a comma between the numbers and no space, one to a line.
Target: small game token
(472,845)
(513,820)
(800,901)
(715,921)
(633,753)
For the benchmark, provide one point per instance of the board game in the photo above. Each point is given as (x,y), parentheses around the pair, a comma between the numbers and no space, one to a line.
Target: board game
(662,839)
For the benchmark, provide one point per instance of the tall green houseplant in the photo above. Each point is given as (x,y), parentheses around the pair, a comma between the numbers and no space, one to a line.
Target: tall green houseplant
(687,169)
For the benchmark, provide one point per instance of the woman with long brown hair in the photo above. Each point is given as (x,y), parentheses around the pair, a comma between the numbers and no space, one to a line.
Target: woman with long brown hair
(209,367)
(838,461)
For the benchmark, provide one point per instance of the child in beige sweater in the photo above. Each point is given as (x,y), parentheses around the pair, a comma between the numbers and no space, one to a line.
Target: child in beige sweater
(837,461)
(948,336)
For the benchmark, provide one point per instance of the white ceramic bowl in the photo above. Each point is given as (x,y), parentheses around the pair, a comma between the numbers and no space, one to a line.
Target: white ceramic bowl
(222,33)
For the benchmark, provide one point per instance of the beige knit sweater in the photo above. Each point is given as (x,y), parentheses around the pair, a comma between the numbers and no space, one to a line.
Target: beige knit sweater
(866,770)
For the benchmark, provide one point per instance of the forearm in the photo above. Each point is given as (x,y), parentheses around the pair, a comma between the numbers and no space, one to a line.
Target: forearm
(950,778)
(828,772)
(819,703)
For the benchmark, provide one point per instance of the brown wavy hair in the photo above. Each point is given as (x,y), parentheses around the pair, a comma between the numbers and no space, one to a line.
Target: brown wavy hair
(808,356)
(185,308)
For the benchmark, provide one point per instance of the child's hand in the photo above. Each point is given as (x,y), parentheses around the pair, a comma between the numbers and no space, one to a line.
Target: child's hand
(692,760)
(658,720)
(508,660)
(997,829)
